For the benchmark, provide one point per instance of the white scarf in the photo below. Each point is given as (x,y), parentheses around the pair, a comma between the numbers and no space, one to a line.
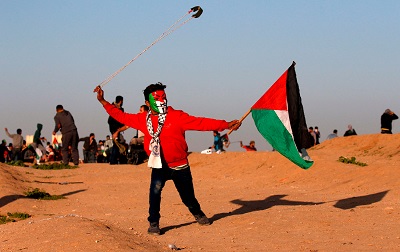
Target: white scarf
(155,146)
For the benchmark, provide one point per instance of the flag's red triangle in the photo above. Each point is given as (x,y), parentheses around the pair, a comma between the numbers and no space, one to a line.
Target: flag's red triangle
(275,97)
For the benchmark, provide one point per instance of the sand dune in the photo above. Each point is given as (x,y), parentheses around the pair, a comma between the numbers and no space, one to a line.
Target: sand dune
(257,202)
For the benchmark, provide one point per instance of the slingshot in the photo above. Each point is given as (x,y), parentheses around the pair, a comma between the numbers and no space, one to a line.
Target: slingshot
(197,13)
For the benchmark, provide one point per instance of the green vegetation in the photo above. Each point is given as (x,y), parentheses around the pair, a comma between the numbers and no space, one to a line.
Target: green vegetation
(17,163)
(13,217)
(54,166)
(42,195)
(351,160)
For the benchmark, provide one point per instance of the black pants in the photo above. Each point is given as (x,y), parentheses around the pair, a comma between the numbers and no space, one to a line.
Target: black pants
(183,183)
(70,138)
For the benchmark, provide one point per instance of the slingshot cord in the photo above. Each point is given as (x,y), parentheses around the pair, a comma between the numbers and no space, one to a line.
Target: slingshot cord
(166,33)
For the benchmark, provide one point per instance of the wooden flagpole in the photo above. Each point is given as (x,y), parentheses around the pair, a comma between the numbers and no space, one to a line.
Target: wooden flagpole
(241,120)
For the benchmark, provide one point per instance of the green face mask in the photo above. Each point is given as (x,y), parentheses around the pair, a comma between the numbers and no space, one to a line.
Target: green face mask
(158,101)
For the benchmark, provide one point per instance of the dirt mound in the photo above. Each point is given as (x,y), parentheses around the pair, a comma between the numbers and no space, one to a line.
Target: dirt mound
(256,200)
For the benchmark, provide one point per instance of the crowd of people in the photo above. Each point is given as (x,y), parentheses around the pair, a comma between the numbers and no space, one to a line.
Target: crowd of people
(115,149)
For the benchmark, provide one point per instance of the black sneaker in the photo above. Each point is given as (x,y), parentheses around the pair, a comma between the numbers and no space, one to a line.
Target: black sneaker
(154,229)
(202,220)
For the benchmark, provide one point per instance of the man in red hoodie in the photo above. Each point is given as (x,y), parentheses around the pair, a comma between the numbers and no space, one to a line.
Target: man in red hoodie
(164,141)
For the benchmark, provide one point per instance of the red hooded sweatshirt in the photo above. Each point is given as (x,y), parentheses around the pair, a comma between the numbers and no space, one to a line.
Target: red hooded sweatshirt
(172,138)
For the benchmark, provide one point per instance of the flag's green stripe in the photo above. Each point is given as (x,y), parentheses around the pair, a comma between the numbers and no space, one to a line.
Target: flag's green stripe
(272,129)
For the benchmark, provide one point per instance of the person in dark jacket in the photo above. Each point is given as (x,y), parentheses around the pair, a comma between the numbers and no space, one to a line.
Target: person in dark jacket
(64,121)
(114,125)
(3,149)
(89,148)
(386,121)
(350,131)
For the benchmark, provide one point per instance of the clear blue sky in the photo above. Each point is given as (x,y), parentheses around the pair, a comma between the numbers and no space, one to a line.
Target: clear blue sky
(56,52)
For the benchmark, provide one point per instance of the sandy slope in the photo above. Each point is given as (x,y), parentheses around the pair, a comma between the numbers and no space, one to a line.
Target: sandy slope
(257,201)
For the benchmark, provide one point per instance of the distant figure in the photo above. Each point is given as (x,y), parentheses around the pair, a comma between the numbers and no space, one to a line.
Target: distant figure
(100,152)
(51,154)
(37,144)
(17,141)
(70,137)
(350,131)
(140,135)
(114,125)
(89,148)
(9,157)
(332,135)
(107,148)
(139,138)
(217,142)
(250,147)
(317,135)
(386,121)
(314,136)
(3,151)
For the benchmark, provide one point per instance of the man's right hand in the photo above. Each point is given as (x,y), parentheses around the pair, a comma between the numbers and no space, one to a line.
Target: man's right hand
(100,95)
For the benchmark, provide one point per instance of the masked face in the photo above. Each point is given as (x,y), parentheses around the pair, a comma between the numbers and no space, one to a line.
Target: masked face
(158,101)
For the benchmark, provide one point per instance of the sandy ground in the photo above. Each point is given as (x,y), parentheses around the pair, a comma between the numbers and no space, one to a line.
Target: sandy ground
(257,202)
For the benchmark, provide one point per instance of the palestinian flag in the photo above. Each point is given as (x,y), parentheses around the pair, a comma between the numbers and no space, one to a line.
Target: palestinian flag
(279,117)
(55,143)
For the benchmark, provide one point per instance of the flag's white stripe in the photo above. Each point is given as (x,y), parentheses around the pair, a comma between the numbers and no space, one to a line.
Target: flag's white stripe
(283,115)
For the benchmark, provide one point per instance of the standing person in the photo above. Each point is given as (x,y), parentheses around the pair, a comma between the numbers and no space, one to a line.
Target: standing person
(114,125)
(107,148)
(100,152)
(37,144)
(350,131)
(250,147)
(64,121)
(3,151)
(332,135)
(9,157)
(138,139)
(313,135)
(89,148)
(386,121)
(164,141)
(17,141)
(317,135)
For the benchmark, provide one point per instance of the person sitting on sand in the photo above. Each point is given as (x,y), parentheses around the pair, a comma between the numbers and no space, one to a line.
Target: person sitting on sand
(332,135)
(350,131)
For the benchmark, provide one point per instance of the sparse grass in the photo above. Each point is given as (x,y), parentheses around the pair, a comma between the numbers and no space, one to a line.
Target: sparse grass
(13,217)
(17,163)
(54,166)
(351,160)
(42,195)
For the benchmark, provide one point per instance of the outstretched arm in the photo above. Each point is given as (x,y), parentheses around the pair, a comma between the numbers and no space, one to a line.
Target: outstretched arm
(8,133)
